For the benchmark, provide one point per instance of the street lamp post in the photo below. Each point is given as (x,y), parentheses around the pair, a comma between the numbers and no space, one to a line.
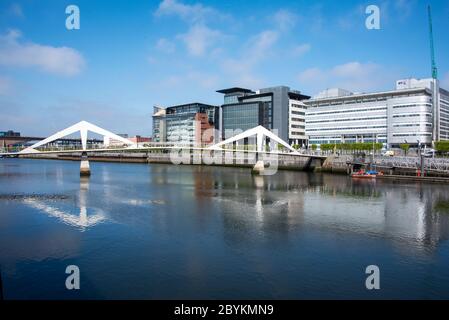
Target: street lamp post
(421,159)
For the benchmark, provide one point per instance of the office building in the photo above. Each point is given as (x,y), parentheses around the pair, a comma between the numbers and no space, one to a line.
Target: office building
(158,124)
(277,108)
(9,133)
(416,112)
(139,139)
(192,124)
(111,142)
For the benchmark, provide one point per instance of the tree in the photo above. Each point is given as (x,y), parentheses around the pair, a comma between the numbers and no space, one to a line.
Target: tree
(314,147)
(405,147)
(442,146)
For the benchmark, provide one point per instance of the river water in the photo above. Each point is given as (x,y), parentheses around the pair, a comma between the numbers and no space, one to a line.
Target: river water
(138,231)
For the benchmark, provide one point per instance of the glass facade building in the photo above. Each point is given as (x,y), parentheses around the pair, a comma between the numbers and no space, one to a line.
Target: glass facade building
(272,108)
(158,124)
(244,116)
(184,124)
(9,133)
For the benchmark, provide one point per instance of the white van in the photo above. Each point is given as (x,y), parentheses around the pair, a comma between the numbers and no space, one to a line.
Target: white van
(388,153)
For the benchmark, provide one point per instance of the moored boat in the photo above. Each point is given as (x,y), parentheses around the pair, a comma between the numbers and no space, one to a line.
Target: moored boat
(362,174)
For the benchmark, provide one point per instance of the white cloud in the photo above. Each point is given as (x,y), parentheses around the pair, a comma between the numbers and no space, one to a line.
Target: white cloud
(354,70)
(354,76)
(165,45)
(193,13)
(58,60)
(301,49)
(200,38)
(241,73)
(259,46)
(285,19)
(6,86)
(312,75)
(255,51)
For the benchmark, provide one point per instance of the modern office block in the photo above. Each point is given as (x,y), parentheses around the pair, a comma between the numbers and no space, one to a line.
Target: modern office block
(417,112)
(276,108)
(192,124)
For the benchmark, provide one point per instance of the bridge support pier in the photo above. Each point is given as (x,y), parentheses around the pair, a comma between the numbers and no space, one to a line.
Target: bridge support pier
(258,168)
(84,166)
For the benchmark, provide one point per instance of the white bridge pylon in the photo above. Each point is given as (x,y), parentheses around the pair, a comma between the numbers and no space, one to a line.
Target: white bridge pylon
(261,133)
(82,127)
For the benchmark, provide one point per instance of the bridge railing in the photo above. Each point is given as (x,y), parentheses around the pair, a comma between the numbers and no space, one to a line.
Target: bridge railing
(438,164)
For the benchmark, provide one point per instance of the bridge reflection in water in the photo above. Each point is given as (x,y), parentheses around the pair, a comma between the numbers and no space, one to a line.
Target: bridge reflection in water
(82,220)
(197,231)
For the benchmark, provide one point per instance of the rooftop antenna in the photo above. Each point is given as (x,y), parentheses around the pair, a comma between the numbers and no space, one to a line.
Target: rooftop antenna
(432,49)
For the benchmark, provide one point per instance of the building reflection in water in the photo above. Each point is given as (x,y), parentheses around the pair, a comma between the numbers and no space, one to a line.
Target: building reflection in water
(275,206)
(248,205)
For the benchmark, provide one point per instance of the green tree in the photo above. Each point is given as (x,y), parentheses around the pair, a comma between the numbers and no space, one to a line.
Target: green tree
(405,147)
(442,146)
(314,147)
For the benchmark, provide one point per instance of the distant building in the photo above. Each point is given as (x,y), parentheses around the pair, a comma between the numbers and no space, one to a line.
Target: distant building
(417,111)
(333,92)
(9,133)
(110,142)
(159,124)
(185,124)
(140,139)
(275,108)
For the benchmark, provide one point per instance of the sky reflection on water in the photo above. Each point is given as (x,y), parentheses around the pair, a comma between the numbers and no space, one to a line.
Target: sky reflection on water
(160,231)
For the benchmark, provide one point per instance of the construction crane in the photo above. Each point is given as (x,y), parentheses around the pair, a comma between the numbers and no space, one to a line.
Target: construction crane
(432,49)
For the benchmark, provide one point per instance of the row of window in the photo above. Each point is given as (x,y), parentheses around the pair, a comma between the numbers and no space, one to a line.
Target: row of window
(349,119)
(412,115)
(348,128)
(411,125)
(416,134)
(399,106)
(297,133)
(349,102)
(349,136)
(346,140)
(346,111)
(299,106)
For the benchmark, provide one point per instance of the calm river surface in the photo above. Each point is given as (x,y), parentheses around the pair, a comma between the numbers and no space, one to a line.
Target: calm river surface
(180,232)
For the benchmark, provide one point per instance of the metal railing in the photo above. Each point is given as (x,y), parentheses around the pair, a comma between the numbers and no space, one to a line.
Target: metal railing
(437,164)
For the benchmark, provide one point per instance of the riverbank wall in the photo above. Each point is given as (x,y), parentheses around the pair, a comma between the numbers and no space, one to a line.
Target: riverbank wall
(348,164)
(335,164)
(226,159)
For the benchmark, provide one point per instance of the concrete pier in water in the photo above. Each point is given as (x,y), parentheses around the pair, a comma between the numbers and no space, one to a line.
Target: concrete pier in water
(84,166)
(258,168)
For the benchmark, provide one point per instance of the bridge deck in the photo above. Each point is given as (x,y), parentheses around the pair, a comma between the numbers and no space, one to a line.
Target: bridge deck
(145,149)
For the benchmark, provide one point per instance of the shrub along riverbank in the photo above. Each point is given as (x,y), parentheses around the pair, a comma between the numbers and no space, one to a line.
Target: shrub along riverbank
(349,148)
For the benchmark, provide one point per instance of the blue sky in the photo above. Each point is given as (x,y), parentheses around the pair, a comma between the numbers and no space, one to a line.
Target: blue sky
(131,55)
